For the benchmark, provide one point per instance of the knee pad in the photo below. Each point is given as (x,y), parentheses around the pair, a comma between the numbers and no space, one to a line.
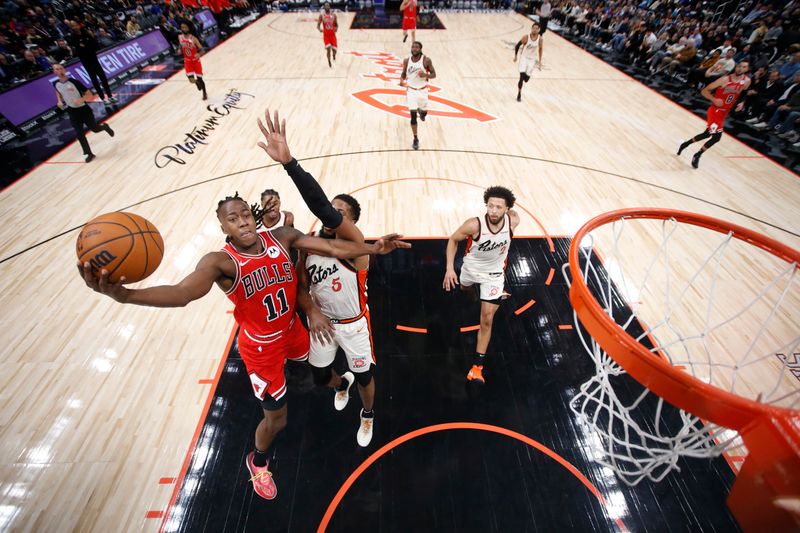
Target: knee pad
(322,376)
(413,118)
(363,378)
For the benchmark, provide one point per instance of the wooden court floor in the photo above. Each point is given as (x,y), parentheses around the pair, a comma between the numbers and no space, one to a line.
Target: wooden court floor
(99,403)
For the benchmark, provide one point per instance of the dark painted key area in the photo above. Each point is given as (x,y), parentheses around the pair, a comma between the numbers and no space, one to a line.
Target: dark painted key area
(454,480)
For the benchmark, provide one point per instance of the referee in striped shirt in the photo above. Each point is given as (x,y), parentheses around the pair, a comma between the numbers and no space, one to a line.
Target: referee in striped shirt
(72,95)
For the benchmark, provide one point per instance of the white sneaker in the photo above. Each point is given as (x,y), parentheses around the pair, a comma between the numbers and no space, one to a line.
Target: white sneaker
(760,125)
(753,120)
(364,436)
(341,398)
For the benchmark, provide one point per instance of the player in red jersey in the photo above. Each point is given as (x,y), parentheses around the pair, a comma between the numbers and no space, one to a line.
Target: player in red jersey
(409,9)
(191,59)
(328,24)
(728,88)
(255,271)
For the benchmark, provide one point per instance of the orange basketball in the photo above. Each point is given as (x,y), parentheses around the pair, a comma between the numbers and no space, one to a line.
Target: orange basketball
(122,243)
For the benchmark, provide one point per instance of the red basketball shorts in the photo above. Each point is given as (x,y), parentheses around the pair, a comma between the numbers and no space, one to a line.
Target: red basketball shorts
(715,119)
(266,359)
(193,67)
(329,38)
(409,23)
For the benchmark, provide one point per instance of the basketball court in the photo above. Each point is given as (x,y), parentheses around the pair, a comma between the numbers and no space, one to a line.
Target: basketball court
(125,418)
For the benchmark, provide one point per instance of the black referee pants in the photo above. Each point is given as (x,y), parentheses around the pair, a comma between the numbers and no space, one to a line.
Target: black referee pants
(80,117)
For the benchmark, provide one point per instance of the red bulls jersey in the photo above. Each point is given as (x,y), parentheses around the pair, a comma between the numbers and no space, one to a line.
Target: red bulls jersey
(188,47)
(729,92)
(411,10)
(328,21)
(264,291)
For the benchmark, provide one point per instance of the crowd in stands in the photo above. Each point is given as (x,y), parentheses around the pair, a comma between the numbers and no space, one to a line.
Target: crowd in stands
(691,43)
(34,34)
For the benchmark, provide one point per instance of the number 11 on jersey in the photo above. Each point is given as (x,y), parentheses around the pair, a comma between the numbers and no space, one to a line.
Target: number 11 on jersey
(269,303)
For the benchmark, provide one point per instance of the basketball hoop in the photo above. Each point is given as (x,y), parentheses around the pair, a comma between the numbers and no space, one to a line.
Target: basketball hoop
(705,316)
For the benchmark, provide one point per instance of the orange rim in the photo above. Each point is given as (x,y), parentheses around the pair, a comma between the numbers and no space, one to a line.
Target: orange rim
(671,383)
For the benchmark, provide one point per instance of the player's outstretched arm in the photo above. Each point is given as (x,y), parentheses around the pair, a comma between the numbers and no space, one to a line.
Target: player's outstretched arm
(275,135)
(467,229)
(338,248)
(192,287)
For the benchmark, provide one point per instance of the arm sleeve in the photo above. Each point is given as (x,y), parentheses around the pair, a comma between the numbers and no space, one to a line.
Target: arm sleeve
(517,47)
(313,195)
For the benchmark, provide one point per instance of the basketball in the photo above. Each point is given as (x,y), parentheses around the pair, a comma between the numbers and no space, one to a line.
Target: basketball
(125,244)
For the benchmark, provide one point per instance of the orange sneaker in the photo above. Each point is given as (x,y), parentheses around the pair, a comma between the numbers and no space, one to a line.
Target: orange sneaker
(476,373)
(262,480)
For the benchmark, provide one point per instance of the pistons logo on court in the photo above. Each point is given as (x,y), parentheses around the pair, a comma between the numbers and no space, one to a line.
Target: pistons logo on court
(273,252)
(393,100)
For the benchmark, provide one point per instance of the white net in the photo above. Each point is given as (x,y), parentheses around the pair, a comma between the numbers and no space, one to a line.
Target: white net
(723,310)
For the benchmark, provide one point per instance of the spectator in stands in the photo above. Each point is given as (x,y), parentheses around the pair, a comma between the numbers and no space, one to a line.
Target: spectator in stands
(45,63)
(671,50)
(784,119)
(722,66)
(104,39)
(696,37)
(58,28)
(774,32)
(170,33)
(758,34)
(6,74)
(682,58)
(29,68)
(754,14)
(790,67)
(62,51)
(764,89)
(132,29)
(789,90)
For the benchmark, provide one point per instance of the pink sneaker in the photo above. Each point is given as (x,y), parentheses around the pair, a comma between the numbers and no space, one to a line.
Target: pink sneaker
(262,480)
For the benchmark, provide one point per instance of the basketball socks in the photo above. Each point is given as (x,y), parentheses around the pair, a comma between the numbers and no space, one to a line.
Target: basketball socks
(201,86)
(367,414)
(260,458)
(479,359)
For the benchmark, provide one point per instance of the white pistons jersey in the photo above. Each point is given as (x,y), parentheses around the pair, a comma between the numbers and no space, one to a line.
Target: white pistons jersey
(488,253)
(337,287)
(531,49)
(281,221)
(413,81)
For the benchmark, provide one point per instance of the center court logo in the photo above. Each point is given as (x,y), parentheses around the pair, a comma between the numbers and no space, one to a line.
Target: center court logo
(383,98)
(198,136)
